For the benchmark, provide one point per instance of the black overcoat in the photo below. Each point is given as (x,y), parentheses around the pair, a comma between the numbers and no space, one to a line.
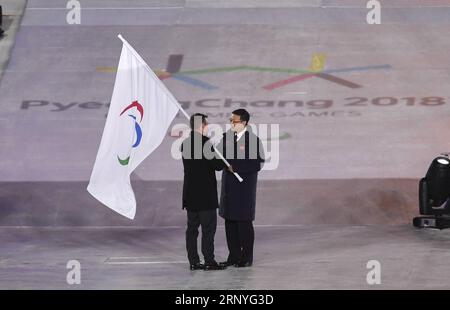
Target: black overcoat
(199,185)
(238,200)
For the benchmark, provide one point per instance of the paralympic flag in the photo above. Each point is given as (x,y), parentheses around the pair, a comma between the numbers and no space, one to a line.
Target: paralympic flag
(139,116)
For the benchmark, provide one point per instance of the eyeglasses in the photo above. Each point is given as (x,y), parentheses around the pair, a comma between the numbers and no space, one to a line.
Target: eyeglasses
(235,122)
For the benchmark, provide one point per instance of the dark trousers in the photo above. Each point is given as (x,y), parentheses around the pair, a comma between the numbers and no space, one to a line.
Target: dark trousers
(240,240)
(208,221)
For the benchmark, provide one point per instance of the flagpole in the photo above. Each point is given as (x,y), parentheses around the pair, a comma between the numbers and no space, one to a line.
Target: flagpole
(161,84)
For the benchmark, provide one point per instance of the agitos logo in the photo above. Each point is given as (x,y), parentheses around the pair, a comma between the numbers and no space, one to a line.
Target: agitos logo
(137,129)
(316,69)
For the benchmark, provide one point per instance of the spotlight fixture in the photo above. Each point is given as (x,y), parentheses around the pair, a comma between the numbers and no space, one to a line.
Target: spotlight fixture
(434,194)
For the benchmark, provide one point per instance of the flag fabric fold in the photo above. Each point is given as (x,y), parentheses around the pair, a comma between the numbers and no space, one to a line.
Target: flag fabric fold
(139,116)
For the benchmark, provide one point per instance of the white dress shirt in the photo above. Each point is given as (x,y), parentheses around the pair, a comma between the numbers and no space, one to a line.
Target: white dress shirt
(239,135)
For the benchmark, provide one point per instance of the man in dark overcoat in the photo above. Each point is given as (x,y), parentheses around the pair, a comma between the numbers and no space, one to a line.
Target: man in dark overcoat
(200,193)
(244,151)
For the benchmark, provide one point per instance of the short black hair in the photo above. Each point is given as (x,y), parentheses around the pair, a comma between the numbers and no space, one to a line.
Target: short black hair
(243,114)
(194,120)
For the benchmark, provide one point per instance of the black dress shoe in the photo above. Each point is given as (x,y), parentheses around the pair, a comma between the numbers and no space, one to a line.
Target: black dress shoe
(243,264)
(227,263)
(214,266)
(197,266)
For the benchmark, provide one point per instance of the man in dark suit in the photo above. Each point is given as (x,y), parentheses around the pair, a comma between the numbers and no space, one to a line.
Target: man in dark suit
(200,193)
(244,151)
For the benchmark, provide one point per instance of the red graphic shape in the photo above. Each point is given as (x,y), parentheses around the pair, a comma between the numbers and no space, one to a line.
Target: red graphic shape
(137,105)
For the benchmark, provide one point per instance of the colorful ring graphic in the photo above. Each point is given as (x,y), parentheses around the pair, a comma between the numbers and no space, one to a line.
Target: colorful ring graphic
(137,129)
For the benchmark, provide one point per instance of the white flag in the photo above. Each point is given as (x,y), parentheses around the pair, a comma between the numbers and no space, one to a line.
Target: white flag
(139,116)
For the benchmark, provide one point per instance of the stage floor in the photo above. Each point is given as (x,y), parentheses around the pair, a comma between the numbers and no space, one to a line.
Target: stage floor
(286,257)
